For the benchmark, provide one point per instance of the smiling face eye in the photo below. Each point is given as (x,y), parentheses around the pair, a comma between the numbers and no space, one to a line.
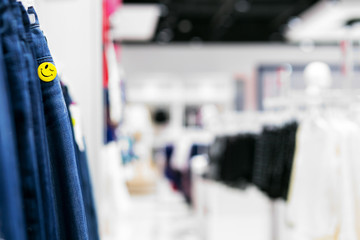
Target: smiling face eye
(47,72)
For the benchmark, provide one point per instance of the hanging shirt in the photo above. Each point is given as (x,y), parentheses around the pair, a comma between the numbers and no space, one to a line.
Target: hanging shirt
(114,84)
(344,130)
(314,193)
(354,153)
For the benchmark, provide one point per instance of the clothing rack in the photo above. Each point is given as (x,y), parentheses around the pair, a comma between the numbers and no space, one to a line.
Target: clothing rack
(315,96)
(228,124)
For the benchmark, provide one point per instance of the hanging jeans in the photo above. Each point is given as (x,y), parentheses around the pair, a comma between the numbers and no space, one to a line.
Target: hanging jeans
(12,220)
(18,82)
(87,192)
(42,152)
(70,207)
(84,174)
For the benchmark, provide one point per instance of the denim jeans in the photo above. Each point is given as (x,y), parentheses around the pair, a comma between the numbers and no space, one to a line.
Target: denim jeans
(84,174)
(86,188)
(70,207)
(51,230)
(18,82)
(12,220)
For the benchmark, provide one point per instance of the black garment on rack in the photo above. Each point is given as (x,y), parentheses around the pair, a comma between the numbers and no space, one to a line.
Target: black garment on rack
(273,159)
(289,157)
(216,155)
(264,160)
(232,159)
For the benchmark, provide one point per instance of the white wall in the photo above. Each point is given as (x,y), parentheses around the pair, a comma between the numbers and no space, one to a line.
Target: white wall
(216,58)
(73,31)
(232,59)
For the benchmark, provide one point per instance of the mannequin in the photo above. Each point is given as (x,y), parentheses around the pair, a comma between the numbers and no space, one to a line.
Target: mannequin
(317,77)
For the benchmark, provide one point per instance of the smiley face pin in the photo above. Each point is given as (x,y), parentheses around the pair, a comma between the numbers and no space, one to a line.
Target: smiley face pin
(47,72)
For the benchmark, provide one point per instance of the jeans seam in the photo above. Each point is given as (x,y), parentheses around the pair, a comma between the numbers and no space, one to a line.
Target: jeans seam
(34,26)
(43,58)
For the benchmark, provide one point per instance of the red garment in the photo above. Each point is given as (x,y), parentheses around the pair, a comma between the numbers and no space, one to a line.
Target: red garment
(112,5)
(109,7)
(105,70)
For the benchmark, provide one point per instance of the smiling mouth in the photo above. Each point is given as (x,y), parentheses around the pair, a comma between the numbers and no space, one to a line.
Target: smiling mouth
(44,74)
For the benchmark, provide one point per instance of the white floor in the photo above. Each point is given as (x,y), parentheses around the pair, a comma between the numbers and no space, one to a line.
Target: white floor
(160,216)
(228,214)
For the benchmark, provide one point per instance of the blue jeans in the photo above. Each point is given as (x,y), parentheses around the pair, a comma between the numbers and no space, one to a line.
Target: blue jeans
(18,82)
(12,220)
(86,188)
(51,230)
(70,207)
(85,179)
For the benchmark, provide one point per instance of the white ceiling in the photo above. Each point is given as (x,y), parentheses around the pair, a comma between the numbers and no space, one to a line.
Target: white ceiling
(325,22)
(135,22)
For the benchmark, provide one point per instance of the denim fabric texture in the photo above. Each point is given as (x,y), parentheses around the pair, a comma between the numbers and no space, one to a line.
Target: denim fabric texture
(85,179)
(12,220)
(51,230)
(70,207)
(18,82)
(86,188)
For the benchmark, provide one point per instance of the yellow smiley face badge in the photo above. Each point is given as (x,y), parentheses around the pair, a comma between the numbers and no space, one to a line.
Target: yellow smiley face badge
(47,72)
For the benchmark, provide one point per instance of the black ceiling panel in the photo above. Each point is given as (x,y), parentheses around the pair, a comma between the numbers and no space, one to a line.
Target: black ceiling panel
(225,20)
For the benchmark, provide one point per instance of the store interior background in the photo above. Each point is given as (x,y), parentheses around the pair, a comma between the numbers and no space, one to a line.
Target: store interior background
(163,70)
